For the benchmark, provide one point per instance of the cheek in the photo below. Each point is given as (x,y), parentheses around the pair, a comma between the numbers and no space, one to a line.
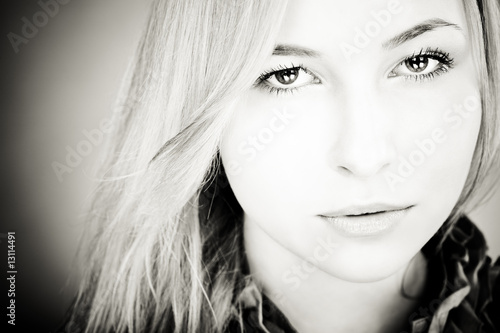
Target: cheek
(264,152)
(435,150)
(434,157)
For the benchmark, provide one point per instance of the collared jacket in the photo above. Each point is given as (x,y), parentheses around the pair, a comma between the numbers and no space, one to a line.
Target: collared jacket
(463,293)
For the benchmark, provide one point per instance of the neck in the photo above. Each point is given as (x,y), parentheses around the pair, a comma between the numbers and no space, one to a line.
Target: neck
(324,303)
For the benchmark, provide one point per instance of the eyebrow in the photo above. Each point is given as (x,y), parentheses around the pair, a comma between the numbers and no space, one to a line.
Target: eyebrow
(418,30)
(292,50)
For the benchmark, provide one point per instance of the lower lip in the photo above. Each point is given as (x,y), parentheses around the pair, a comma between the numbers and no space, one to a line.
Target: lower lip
(368,224)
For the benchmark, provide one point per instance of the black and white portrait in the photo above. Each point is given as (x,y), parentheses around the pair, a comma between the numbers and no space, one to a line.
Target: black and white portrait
(298,166)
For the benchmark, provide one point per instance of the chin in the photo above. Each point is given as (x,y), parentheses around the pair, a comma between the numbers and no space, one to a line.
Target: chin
(371,266)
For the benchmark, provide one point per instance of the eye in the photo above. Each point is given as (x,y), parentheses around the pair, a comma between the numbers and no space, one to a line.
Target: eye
(289,77)
(417,65)
(424,65)
(286,79)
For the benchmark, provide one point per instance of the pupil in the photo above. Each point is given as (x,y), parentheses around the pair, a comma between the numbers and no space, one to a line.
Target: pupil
(287,76)
(417,64)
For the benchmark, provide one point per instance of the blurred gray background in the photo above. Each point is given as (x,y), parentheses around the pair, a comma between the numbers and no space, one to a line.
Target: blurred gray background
(61,82)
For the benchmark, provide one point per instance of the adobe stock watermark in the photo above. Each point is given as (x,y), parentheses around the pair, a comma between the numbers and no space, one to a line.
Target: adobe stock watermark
(74,157)
(253,144)
(427,147)
(363,36)
(297,273)
(30,28)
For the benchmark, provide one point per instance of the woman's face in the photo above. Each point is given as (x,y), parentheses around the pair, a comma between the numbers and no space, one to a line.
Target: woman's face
(366,106)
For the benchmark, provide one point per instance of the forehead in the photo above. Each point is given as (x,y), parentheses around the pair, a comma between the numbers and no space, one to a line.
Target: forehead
(324,24)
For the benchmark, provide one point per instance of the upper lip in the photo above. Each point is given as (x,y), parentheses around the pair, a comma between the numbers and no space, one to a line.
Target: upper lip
(365,209)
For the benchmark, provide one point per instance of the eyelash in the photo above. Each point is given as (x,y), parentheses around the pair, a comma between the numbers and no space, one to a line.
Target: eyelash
(444,58)
(446,64)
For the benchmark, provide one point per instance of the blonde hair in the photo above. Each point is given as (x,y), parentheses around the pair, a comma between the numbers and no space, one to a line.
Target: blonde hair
(162,248)
(483,17)
(144,269)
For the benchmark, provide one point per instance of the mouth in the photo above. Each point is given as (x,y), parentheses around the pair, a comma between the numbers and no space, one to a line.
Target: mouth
(367,220)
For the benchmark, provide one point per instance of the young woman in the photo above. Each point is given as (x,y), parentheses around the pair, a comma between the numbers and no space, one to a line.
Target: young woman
(299,166)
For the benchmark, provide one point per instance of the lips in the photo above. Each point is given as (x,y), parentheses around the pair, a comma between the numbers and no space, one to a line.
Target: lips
(359,221)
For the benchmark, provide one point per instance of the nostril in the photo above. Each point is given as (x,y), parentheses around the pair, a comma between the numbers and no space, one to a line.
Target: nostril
(362,157)
(363,167)
(344,170)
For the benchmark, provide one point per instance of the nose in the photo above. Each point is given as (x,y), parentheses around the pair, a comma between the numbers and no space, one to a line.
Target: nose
(364,146)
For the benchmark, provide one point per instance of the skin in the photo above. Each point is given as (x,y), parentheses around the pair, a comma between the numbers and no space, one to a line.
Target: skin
(348,127)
